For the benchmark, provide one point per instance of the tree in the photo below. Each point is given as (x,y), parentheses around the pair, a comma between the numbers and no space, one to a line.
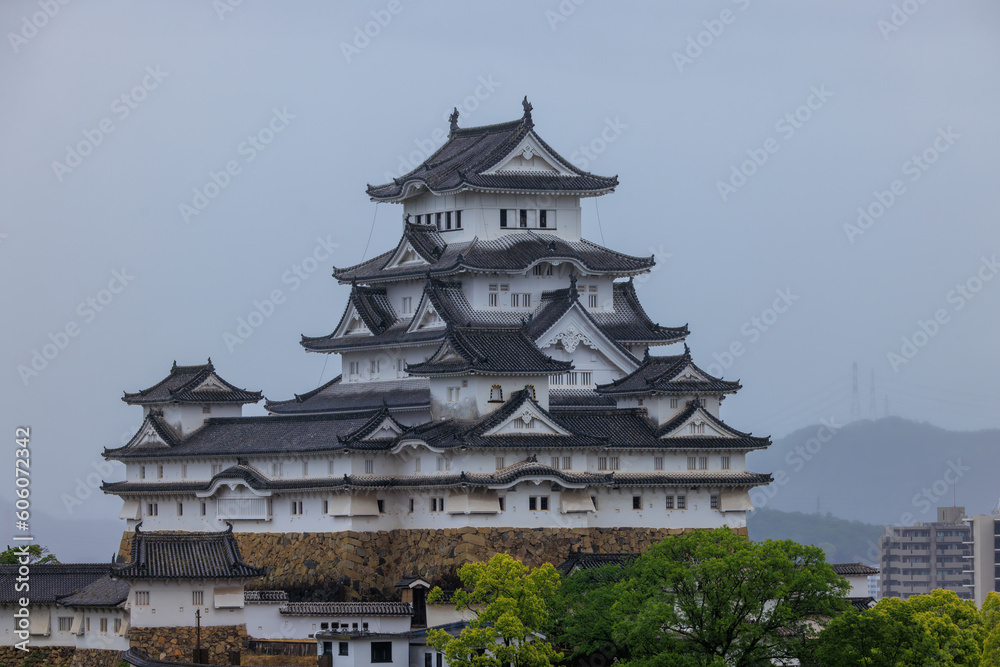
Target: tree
(580,614)
(511,607)
(889,635)
(955,624)
(37,555)
(714,597)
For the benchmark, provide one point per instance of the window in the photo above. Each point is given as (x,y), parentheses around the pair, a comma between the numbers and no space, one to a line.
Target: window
(496,394)
(411,505)
(673,402)
(555,462)
(382,651)
(692,463)
(637,502)
(503,503)
(416,464)
(206,409)
(343,648)
(458,219)
(702,463)
(493,296)
(657,463)
(152,509)
(437,220)
(453,393)
(670,502)
(538,503)
(216,469)
(180,509)
(725,463)
(447,220)
(369,466)
(305,468)
(203,508)
(381,506)
(118,625)
(65,623)
(714,501)
(501,463)
(184,471)
(428,660)
(586,377)
(543,218)
(198,598)
(372,367)
(296,508)
(326,507)
(520,300)
(682,502)
(542,269)
(354,367)
(531,391)
(437,504)
(104,625)
(523,220)
(443,464)
(364,626)
(142,598)
(277,469)
(698,429)
(602,462)
(440,660)
(142,472)
(503,217)
(592,300)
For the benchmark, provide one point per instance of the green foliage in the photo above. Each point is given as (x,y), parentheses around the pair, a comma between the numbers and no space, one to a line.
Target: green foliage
(37,555)
(511,607)
(710,598)
(581,610)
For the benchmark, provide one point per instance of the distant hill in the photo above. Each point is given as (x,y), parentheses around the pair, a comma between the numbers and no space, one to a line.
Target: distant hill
(843,541)
(888,471)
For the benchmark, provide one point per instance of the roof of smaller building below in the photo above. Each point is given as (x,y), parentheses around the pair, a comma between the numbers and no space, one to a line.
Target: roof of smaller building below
(853,569)
(50,581)
(676,374)
(103,592)
(588,561)
(171,555)
(347,609)
(861,603)
(192,384)
(251,597)
(490,351)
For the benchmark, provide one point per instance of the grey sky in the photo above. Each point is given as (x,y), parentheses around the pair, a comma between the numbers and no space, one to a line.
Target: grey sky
(672,130)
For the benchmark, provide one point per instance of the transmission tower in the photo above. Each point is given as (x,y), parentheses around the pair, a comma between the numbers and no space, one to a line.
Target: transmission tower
(855,399)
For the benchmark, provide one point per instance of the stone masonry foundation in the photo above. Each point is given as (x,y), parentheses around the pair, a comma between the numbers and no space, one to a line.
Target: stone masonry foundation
(371,563)
(176,644)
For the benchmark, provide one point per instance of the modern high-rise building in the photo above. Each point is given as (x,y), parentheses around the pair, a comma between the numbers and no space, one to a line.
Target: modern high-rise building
(926,556)
(983,561)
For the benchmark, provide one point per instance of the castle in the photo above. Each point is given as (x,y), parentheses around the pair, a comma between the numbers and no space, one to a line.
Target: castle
(499,391)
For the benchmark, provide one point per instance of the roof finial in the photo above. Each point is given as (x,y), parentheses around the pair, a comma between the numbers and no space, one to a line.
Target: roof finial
(527,112)
(573,293)
(646,355)
(453,119)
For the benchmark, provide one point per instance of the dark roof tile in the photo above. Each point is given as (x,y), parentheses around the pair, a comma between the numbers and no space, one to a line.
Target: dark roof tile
(181,386)
(170,555)
(49,582)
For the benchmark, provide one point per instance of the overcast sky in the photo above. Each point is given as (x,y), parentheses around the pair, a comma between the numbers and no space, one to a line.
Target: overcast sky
(746,136)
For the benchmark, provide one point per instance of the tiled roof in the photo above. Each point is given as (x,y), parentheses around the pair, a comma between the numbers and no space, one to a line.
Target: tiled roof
(238,436)
(154,422)
(738,439)
(629,323)
(578,398)
(180,386)
(853,569)
(339,397)
(347,609)
(172,555)
(459,165)
(861,603)
(250,597)
(588,561)
(491,351)
(103,592)
(514,252)
(50,582)
(663,375)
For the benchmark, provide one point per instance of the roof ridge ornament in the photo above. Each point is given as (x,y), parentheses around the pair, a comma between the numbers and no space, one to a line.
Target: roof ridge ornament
(573,293)
(453,120)
(527,113)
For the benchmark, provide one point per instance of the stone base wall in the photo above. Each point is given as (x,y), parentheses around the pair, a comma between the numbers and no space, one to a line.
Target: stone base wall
(93,657)
(42,656)
(177,644)
(250,660)
(371,563)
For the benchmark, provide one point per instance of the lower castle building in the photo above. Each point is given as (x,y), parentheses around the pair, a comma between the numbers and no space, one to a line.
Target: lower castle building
(499,390)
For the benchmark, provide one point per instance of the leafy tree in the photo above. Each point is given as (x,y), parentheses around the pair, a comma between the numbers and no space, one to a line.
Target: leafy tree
(580,614)
(889,635)
(511,608)
(955,624)
(715,598)
(37,555)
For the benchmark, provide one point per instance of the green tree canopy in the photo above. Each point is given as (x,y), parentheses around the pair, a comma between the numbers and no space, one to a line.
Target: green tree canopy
(511,607)
(37,555)
(712,598)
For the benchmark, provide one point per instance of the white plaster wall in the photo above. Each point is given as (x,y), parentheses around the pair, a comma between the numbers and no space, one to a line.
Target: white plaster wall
(55,638)
(360,652)
(95,639)
(170,604)
(264,621)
